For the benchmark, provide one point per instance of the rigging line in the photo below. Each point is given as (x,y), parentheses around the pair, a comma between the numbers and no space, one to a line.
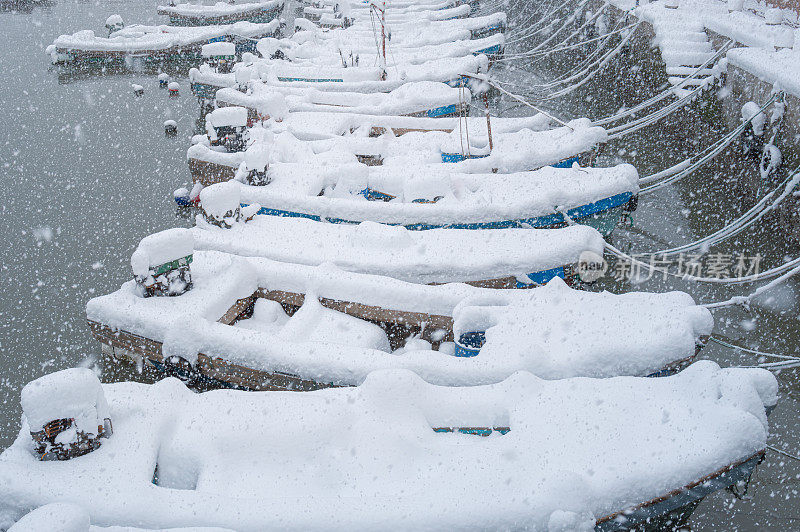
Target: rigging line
(716,340)
(784,453)
(744,300)
(569,20)
(712,151)
(589,66)
(494,84)
(535,27)
(521,55)
(540,25)
(666,93)
(754,214)
(646,120)
(792,266)
(585,80)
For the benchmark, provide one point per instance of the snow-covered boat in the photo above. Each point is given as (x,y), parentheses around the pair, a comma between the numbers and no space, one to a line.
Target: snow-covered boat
(472,145)
(189,14)
(419,99)
(255,323)
(160,43)
(305,50)
(512,258)
(396,452)
(205,81)
(423,197)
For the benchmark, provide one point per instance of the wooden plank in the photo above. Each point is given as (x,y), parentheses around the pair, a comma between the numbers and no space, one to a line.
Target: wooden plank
(366,312)
(208,173)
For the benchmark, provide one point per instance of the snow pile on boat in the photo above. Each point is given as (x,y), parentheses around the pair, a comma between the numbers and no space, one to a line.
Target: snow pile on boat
(160,248)
(71,394)
(565,453)
(435,256)
(572,331)
(457,198)
(188,325)
(139,37)
(218,9)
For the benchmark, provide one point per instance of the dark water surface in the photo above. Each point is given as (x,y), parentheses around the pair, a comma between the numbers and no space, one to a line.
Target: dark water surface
(86,171)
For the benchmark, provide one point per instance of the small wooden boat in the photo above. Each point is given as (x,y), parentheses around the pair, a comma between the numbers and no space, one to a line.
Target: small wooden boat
(398,450)
(511,258)
(419,99)
(428,197)
(188,14)
(472,145)
(515,454)
(240,325)
(323,53)
(156,43)
(205,81)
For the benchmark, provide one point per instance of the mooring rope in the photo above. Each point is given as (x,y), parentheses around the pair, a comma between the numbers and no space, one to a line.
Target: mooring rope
(534,29)
(646,120)
(784,453)
(541,26)
(753,215)
(570,19)
(521,55)
(787,358)
(667,92)
(784,272)
(603,62)
(708,154)
(496,85)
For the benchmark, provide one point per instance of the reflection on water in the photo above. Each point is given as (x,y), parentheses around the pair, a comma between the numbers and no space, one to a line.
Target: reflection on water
(87,171)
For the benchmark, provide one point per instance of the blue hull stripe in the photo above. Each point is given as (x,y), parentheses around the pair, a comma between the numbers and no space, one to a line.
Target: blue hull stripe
(312,80)
(551,220)
(543,276)
(442,111)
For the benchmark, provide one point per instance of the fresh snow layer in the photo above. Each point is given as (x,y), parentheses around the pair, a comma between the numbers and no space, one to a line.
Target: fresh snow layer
(465,198)
(407,99)
(571,329)
(435,256)
(187,324)
(219,9)
(73,393)
(140,38)
(367,457)
(160,248)
(218,48)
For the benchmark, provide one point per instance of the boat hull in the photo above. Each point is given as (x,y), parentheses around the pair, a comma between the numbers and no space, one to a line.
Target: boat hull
(257,16)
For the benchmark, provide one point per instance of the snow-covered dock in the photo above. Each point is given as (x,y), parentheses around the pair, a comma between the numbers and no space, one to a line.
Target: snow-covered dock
(397,452)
